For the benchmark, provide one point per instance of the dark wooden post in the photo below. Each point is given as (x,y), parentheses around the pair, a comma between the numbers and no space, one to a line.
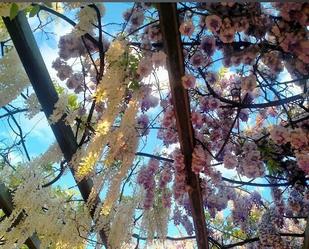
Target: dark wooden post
(36,70)
(175,65)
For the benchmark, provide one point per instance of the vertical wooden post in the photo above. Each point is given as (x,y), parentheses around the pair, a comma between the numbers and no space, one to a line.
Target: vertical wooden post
(175,65)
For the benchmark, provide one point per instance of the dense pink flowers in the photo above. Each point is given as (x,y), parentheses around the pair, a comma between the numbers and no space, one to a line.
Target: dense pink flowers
(208,45)
(188,81)
(146,179)
(143,123)
(148,100)
(213,23)
(144,67)
(303,161)
(64,71)
(298,138)
(186,28)
(251,164)
(200,159)
(179,187)
(248,83)
(279,134)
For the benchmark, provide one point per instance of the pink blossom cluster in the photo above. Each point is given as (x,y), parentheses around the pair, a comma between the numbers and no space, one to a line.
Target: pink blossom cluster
(71,46)
(179,187)
(135,16)
(152,33)
(248,83)
(293,12)
(75,82)
(143,124)
(148,101)
(64,71)
(144,68)
(146,178)
(251,164)
(209,103)
(168,134)
(269,228)
(242,206)
(216,199)
(299,140)
(199,59)
(197,119)
(279,134)
(182,219)
(188,81)
(200,159)
(186,28)
(165,178)
(230,160)
(273,60)
(208,45)
(234,57)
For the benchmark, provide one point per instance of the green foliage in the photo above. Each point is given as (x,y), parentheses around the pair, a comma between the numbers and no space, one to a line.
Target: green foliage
(34,10)
(13,11)
(267,152)
(72,101)
(59,89)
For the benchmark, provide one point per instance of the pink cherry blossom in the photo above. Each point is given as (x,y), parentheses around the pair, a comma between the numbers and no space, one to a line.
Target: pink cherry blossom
(186,28)
(213,23)
(188,81)
(279,134)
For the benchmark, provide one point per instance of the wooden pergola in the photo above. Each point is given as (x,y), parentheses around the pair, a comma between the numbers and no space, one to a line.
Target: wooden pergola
(36,70)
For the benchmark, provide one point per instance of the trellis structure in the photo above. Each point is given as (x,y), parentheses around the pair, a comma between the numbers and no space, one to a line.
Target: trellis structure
(32,60)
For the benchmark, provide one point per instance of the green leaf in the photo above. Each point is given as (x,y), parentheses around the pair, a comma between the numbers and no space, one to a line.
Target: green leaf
(59,89)
(134,85)
(13,11)
(272,166)
(35,9)
(72,101)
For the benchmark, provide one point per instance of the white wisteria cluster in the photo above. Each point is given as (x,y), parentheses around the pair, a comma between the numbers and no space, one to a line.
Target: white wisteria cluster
(59,108)
(127,146)
(33,106)
(87,17)
(44,211)
(13,78)
(111,91)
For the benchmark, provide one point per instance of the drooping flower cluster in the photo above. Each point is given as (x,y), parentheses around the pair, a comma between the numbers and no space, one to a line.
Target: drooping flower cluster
(268,229)
(179,188)
(13,78)
(251,164)
(146,178)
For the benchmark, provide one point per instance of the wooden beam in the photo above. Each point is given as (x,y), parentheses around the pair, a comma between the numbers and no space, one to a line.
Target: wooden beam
(37,72)
(175,65)
(6,204)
